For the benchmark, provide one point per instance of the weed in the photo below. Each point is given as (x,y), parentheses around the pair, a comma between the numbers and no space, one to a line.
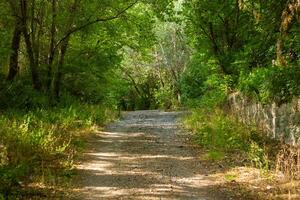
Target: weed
(39,145)
(222,135)
(215,155)
(230,177)
(217,131)
(288,161)
(258,157)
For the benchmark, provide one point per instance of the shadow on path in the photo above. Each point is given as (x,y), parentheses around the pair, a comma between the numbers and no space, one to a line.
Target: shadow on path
(144,156)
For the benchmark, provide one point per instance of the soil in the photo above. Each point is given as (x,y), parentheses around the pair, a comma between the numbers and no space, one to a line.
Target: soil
(147,155)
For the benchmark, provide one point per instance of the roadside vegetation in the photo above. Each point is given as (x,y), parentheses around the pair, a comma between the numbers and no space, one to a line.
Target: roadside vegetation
(249,47)
(38,147)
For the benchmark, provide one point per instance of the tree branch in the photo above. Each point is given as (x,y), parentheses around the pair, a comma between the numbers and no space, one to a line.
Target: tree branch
(69,33)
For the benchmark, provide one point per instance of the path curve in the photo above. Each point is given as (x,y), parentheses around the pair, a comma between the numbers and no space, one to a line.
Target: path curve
(143,156)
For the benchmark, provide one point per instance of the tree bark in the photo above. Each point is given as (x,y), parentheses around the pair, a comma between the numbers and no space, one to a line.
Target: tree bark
(14,56)
(29,48)
(51,53)
(58,74)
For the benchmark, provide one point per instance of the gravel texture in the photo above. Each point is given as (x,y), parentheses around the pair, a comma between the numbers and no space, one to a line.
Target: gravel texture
(145,155)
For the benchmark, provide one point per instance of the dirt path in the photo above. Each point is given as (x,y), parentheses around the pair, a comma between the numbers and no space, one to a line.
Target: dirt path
(144,156)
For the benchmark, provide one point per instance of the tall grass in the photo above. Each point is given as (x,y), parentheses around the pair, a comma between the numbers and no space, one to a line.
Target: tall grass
(37,144)
(222,134)
(215,130)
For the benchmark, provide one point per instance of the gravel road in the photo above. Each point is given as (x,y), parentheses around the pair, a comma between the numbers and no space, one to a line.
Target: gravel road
(145,155)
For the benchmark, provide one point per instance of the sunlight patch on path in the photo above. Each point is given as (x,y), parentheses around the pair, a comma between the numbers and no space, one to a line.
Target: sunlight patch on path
(142,157)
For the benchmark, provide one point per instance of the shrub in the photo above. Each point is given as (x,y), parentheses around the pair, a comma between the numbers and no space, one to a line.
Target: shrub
(221,134)
(216,131)
(20,95)
(279,84)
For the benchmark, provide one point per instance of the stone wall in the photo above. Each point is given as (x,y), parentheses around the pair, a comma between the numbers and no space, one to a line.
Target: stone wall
(281,122)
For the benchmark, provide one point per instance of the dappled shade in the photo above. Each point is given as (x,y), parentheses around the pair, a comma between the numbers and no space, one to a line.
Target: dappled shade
(143,156)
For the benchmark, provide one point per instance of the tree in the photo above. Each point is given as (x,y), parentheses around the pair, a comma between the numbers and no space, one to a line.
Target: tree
(49,26)
(171,55)
(235,31)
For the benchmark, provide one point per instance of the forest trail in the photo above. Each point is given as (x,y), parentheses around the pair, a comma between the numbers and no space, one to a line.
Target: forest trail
(145,156)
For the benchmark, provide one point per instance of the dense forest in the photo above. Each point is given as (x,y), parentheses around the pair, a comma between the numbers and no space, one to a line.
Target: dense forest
(69,66)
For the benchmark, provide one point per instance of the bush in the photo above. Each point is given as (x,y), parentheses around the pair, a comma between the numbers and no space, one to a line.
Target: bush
(20,95)
(278,84)
(203,85)
(221,134)
(165,98)
(193,78)
(216,131)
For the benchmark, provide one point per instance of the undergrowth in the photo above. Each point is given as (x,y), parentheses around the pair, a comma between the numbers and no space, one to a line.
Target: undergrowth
(288,161)
(221,134)
(39,145)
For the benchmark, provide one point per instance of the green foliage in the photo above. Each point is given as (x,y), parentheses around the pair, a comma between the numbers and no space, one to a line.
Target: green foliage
(215,155)
(166,99)
(215,90)
(34,143)
(242,39)
(221,135)
(278,84)
(258,157)
(139,83)
(235,31)
(20,95)
(86,68)
(230,177)
(194,77)
(203,85)
(154,74)
(216,131)
(5,21)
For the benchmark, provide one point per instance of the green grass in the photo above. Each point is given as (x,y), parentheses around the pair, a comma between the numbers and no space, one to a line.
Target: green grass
(230,177)
(215,130)
(215,155)
(222,135)
(39,145)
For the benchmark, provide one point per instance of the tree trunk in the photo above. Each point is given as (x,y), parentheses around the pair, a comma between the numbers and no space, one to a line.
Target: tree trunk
(279,53)
(51,53)
(64,42)
(29,48)
(33,65)
(58,75)
(14,56)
